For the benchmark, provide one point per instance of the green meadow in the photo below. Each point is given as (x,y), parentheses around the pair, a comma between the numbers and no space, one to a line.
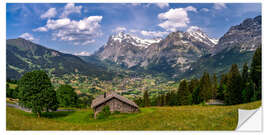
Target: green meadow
(194,117)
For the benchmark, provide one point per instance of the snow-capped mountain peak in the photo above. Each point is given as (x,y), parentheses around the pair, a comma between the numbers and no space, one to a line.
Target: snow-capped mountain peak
(196,33)
(122,37)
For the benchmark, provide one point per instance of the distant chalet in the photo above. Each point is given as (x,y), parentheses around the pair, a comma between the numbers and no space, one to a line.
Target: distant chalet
(115,102)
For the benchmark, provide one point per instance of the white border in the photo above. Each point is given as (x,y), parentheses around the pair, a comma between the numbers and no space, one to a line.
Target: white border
(2,67)
(266,68)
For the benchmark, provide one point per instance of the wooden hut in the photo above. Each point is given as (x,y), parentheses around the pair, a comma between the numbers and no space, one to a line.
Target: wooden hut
(115,102)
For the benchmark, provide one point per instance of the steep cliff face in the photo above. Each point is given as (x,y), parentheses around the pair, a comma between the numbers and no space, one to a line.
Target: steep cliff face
(243,37)
(125,49)
(177,50)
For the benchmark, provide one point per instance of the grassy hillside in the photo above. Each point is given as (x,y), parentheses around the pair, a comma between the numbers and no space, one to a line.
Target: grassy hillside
(152,118)
(24,56)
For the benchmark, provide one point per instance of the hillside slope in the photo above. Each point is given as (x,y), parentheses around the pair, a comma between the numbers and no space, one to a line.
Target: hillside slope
(24,56)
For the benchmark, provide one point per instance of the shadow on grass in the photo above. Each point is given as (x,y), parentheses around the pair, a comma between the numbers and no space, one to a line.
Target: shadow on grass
(59,114)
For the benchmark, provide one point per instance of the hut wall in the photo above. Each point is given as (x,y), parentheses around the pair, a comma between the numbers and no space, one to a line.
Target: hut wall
(117,105)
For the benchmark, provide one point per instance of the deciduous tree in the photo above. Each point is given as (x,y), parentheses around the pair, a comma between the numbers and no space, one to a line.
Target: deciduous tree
(36,92)
(66,96)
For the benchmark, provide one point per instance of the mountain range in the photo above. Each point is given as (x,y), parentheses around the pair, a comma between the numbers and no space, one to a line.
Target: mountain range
(178,55)
(185,54)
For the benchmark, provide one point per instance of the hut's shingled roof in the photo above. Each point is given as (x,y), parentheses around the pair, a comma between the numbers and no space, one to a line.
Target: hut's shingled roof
(109,95)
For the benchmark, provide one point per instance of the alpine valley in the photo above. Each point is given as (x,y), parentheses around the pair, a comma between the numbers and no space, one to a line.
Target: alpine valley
(129,64)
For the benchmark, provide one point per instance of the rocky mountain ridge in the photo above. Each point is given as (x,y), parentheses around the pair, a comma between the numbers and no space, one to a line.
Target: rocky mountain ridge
(244,37)
(131,51)
(177,53)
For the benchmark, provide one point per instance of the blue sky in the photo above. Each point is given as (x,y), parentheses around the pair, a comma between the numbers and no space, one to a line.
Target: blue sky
(82,28)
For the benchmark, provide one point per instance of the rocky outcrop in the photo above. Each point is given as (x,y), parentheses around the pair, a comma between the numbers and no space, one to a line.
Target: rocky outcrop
(243,37)
(177,50)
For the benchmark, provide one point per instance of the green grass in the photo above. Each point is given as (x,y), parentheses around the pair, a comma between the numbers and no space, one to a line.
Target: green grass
(12,86)
(153,118)
(11,100)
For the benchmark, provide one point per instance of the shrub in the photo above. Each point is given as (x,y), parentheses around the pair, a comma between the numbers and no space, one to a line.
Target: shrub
(116,112)
(203,103)
(66,96)
(105,113)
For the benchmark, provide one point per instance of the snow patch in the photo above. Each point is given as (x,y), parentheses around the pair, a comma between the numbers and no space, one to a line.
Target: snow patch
(196,33)
(134,40)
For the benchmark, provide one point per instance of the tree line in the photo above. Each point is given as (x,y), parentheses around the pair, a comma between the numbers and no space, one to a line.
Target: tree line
(36,92)
(234,87)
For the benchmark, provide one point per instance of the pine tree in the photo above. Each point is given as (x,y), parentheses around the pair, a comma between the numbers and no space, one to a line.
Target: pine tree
(172,98)
(158,100)
(245,75)
(8,91)
(196,99)
(248,92)
(193,84)
(233,93)
(167,98)
(248,85)
(256,72)
(214,87)
(222,86)
(184,95)
(162,97)
(256,66)
(146,98)
(165,102)
(205,87)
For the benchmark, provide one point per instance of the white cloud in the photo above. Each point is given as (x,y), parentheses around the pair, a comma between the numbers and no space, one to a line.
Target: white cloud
(193,28)
(136,4)
(154,33)
(49,14)
(190,8)
(41,29)
(162,5)
(175,18)
(120,29)
(133,30)
(83,53)
(27,36)
(219,6)
(55,24)
(87,42)
(71,8)
(205,9)
(81,32)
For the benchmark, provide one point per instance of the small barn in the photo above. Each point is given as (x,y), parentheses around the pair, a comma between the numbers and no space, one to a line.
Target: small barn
(115,102)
